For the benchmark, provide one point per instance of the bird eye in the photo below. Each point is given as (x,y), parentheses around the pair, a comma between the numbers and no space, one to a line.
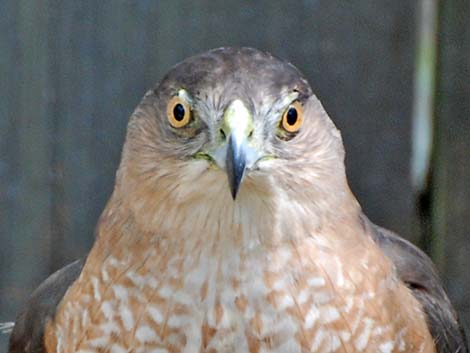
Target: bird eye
(292,117)
(178,112)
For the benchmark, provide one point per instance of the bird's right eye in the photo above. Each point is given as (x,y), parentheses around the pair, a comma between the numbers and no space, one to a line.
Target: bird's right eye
(178,112)
(292,117)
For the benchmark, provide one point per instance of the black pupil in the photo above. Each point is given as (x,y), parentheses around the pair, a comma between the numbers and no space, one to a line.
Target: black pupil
(178,112)
(291,116)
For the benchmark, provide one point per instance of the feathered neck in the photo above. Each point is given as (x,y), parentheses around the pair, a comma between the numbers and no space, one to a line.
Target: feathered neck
(192,207)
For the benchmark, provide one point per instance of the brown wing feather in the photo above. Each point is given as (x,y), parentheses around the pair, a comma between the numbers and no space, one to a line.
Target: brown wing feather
(28,333)
(417,271)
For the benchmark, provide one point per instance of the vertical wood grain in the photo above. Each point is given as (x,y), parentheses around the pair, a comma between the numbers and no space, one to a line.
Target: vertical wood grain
(8,167)
(27,204)
(451,178)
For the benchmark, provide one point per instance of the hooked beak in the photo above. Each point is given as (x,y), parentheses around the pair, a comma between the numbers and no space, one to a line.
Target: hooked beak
(235,163)
(236,154)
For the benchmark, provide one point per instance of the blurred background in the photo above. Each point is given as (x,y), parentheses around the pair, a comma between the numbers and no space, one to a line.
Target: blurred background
(393,75)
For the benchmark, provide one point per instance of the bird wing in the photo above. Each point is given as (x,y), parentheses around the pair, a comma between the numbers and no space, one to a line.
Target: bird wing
(28,332)
(417,271)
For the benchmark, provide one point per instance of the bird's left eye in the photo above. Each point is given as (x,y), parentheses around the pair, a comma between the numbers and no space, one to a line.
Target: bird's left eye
(292,117)
(178,112)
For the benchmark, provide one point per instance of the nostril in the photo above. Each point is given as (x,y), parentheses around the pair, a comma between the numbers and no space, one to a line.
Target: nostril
(222,133)
(250,135)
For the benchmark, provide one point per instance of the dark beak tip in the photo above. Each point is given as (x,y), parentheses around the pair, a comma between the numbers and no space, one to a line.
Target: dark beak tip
(234,194)
(234,191)
(236,163)
(234,184)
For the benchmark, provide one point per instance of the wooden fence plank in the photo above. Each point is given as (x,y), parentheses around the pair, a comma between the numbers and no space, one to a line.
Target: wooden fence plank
(451,179)
(28,233)
(424,94)
(8,166)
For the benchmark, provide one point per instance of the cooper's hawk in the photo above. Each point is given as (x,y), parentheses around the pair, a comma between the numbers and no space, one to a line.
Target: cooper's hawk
(232,228)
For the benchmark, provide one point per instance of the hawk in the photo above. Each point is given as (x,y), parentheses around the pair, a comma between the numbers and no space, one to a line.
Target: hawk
(232,228)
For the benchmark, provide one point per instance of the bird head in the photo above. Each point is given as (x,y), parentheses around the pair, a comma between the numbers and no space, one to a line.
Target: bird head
(232,124)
